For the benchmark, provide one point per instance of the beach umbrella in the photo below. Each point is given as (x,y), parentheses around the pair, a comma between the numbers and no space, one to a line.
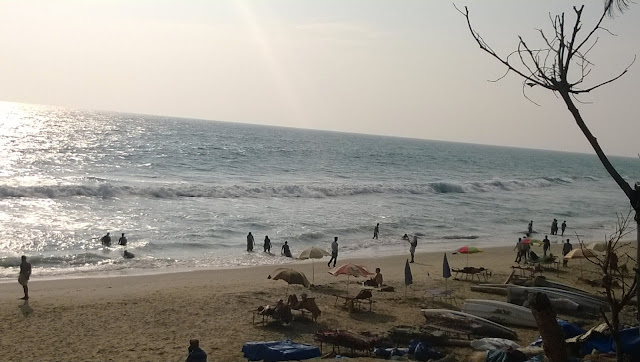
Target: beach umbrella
(350,270)
(599,246)
(446,271)
(408,278)
(580,254)
(290,276)
(313,253)
(532,241)
(467,250)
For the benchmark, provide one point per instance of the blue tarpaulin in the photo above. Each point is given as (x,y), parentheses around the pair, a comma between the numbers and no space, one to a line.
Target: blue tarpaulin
(604,343)
(279,351)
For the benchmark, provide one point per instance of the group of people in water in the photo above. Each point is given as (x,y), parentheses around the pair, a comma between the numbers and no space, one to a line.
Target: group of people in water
(106,241)
(554,227)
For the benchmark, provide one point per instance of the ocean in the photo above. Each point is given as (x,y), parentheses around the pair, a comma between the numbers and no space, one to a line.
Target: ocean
(186,192)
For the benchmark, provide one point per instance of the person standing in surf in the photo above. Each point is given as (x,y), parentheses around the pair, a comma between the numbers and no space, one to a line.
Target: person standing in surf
(123,240)
(376,230)
(106,240)
(285,250)
(267,244)
(530,227)
(563,226)
(23,278)
(334,252)
(250,242)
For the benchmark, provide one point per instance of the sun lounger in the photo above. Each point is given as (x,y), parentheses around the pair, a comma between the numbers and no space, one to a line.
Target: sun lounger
(364,342)
(305,305)
(441,295)
(356,303)
(471,272)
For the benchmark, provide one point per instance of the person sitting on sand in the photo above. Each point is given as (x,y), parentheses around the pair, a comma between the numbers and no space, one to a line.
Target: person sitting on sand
(123,240)
(128,255)
(196,354)
(285,250)
(533,257)
(106,240)
(25,274)
(376,281)
(405,237)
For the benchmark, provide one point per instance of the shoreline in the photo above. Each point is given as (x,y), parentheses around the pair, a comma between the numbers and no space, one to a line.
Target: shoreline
(369,253)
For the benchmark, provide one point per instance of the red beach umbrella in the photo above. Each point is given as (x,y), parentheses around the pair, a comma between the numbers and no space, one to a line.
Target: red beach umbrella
(467,250)
(350,270)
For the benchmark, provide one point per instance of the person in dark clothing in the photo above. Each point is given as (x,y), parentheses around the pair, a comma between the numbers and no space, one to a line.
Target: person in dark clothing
(285,250)
(546,245)
(334,252)
(128,255)
(196,354)
(563,227)
(376,230)
(123,240)
(566,248)
(106,240)
(250,242)
(267,244)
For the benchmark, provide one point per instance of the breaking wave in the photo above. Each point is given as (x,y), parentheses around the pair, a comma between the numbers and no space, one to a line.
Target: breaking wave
(308,190)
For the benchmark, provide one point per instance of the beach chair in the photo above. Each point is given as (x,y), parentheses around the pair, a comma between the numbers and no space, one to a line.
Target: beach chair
(356,303)
(442,296)
(305,305)
(472,272)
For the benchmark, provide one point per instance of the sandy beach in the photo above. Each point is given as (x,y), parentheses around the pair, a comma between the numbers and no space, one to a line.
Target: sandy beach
(152,317)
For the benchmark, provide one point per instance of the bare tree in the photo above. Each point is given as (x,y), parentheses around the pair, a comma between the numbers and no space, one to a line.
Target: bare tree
(617,287)
(560,65)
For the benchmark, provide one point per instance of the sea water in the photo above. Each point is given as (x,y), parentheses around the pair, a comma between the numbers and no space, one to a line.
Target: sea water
(186,192)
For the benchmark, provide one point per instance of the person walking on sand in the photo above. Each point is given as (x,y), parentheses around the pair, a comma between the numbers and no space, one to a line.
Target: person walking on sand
(106,240)
(267,244)
(376,230)
(285,250)
(334,252)
(23,278)
(546,245)
(250,242)
(123,240)
(563,226)
(518,249)
(412,248)
(566,248)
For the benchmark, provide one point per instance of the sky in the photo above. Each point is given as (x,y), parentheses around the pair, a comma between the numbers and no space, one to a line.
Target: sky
(404,68)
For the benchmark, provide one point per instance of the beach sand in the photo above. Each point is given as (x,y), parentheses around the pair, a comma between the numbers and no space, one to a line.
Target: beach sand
(152,317)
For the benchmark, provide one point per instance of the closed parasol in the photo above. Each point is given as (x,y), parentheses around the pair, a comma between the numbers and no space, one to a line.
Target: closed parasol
(350,270)
(313,253)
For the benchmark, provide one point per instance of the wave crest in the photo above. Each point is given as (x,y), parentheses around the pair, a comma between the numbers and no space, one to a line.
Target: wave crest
(305,190)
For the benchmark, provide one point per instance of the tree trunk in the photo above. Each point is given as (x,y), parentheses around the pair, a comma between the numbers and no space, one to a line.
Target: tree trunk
(637,218)
(550,331)
(632,194)
(615,332)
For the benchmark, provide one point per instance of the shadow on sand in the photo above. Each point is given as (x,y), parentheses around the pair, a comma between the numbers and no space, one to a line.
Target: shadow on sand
(25,308)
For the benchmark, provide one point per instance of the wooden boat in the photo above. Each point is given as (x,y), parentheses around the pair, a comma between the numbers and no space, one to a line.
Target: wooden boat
(500,312)
(518,294)
(466,324)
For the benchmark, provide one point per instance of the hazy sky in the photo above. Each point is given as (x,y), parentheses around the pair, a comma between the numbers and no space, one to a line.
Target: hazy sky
(402,68)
